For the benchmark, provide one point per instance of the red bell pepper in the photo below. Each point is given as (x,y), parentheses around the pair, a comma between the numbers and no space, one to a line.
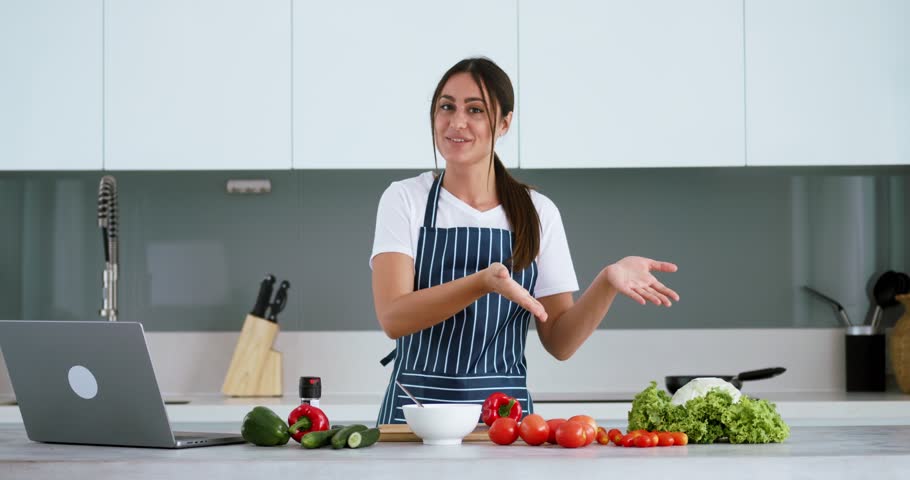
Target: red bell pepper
(500,405)
(306,418)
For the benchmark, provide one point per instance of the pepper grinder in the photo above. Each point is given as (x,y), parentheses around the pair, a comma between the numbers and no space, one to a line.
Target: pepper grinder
(310,390)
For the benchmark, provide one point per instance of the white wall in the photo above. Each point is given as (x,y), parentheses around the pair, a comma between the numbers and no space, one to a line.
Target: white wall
(612,361)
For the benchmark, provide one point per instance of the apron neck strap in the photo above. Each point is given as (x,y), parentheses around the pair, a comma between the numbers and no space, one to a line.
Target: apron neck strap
(429,218)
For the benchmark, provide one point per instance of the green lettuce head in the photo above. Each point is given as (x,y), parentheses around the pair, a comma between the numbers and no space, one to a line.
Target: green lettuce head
(708,418)
(754,421)
(649,409)
(705,416)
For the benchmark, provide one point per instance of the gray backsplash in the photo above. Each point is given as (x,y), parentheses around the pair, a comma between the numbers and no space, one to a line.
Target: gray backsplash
(192,255)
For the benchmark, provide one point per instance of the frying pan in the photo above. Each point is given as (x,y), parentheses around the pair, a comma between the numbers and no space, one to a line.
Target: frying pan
(675,382)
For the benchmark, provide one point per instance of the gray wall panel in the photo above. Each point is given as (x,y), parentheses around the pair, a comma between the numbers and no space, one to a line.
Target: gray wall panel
(192,256)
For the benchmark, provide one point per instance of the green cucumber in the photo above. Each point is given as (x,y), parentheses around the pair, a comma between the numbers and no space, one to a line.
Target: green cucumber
(340,439)
(318,439)
(363,439)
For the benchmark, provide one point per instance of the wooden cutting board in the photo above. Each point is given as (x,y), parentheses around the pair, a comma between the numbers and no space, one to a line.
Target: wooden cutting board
(403,433)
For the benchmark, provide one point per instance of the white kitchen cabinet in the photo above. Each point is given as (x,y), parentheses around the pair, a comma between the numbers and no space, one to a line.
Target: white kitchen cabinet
(827,82)
(197,84)
(365,71)
(629,83)
(50,85)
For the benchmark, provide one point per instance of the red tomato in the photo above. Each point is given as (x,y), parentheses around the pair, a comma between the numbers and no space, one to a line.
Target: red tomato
(554,424)
(664,439)
(602,437)
(504,431)
(571,435)
(643,441)
(654,438)
(680,438)
(534,430)
(590,433)
(615,436)
(584,419)
(628,440)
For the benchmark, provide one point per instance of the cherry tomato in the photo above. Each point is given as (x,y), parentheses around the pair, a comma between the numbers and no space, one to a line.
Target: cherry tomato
(534,430)
(590,433)
(628,440)
(602,437)
(680,438)
(504,431)
(654,438)
(664,439)
(571,435)
(615,435)
(643,441)
(554,424)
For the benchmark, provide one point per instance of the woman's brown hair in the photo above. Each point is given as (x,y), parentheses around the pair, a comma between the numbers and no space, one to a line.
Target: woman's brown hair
(514,195)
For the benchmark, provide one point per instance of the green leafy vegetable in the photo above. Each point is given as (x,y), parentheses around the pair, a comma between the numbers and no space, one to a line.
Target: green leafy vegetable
(754,421)
(708,418)
(649,409)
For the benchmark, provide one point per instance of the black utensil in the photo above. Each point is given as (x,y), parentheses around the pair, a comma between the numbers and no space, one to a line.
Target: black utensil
(889,285)
(281,299)
(262,299)
(834,304)
(885,289)
(903,284)
(675,382)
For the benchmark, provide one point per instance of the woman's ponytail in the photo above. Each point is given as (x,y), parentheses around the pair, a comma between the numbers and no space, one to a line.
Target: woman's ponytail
(516,201)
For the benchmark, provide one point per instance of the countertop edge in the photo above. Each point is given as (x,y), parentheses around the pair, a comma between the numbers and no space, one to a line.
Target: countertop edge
(808,413)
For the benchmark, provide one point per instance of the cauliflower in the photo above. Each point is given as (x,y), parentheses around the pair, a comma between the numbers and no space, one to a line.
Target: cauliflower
(699,387)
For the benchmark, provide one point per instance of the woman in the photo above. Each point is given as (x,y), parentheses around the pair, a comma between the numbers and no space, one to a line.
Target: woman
(462,259)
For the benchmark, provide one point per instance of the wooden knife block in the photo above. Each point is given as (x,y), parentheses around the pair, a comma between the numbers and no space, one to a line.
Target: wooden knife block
(255,369)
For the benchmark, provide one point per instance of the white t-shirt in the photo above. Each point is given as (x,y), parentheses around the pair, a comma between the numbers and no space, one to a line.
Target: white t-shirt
(400,216)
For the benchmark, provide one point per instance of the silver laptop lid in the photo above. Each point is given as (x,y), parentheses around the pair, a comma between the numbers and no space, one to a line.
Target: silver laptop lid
(85,382)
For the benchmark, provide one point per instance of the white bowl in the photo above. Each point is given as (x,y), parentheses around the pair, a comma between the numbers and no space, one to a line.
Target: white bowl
(442,423)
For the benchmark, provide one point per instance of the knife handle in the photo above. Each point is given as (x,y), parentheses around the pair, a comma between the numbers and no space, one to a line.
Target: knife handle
(265,293)
(281,300)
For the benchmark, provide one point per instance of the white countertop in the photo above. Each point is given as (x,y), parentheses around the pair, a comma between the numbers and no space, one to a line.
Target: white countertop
(810,452)
(805,409)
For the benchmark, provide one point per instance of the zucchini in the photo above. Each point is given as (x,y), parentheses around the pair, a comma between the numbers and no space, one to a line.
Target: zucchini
(363,439)
(340,439)
(318,439)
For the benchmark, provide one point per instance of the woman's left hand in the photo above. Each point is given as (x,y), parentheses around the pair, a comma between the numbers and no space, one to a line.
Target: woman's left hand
(632,277)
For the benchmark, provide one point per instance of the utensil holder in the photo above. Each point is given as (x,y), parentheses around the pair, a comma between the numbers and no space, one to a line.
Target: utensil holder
(900,346)
(865,359)
(256,368)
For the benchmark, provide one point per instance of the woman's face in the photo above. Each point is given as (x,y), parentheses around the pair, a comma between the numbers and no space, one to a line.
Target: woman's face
(461,122)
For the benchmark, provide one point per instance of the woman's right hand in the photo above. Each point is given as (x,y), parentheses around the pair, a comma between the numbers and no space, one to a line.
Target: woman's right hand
(497,279)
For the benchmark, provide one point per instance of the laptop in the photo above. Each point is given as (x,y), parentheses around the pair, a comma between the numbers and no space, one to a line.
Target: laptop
(91,383)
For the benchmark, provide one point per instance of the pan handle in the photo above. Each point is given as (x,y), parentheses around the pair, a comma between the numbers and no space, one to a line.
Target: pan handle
(760,374)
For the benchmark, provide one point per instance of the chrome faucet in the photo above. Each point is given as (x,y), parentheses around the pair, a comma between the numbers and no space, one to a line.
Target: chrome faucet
(107,220)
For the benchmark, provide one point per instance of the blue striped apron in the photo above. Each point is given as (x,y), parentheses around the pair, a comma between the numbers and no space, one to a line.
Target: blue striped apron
(478,351)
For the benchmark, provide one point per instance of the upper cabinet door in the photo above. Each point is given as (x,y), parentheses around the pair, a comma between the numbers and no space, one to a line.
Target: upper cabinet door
(828,82)
(631,83)
(50,85)
(196,85)
(365,71)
